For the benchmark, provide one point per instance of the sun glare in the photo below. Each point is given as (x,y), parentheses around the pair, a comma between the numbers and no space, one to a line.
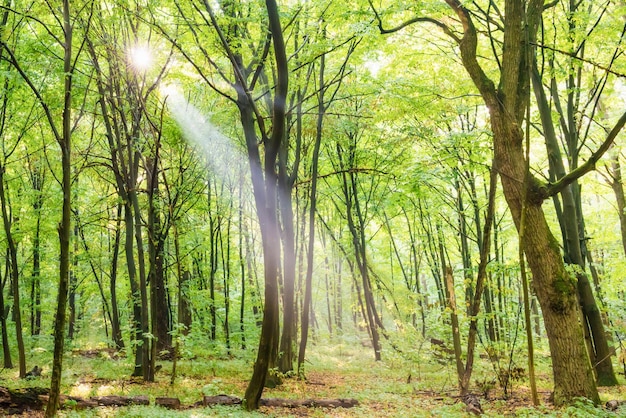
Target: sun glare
(140,57)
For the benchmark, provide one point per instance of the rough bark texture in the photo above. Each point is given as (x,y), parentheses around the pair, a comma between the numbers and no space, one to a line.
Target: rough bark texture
(571,221)
(555,289)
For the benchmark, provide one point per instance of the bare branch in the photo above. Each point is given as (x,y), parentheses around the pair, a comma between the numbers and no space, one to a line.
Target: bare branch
(416,19)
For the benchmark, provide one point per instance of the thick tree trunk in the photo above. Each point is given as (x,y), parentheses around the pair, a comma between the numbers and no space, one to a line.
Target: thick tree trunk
(265,183)
(572,226)
(556,289)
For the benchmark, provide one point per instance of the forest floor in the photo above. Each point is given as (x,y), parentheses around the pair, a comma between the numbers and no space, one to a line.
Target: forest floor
(394,387)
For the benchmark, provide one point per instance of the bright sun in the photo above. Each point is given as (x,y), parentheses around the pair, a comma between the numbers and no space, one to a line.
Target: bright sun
(140,57)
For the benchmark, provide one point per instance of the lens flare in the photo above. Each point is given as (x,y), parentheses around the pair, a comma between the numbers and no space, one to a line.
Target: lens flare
(140,57)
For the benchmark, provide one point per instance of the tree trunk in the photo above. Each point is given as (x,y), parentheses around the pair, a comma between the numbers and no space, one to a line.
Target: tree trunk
(135,299)
(159,306)
(242,265)
(310,249)
(264,181)
(555,288)
(37,180)
(481,280)
(64,228)
(116,330)
(226,277)
(6,349)
(571,221)
(264,184)
(454,321)
(147,361)
(356,226)
(71,322)
(618,189)
(287,340)
(184,285)
(214,232)
(15,276)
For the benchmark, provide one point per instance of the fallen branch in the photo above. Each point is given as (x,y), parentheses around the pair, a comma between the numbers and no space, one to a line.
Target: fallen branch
(34,399)
(310,403)
(283,403)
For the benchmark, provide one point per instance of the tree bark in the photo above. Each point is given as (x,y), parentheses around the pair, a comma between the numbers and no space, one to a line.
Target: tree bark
(572,226)
(15,276)
(308,280)
(555,288)
(64,228)
(116,330)
(6,349)
(264,181)
(618,189)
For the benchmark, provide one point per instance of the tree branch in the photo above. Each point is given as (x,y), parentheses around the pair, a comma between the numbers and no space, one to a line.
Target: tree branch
(417,19)
(589,165)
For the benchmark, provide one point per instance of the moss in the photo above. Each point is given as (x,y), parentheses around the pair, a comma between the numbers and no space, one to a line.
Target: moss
(563,286)
(537,191)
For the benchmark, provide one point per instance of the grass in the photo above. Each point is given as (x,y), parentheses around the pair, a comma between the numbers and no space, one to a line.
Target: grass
(394,387)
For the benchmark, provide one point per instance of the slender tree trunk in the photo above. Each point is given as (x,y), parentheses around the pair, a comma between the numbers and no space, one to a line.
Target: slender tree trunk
(35,290)
(287,341)
(64,228)
(308,281)
(135,298)
(226,277)
(356,228)
(214,231)
(242,266)
(6,349)
(160,311)
(116,330)
(184,286)
(481,285)
(620,199)
(15,277)
(71,322)
(146,337)
(454,321)
(466,256)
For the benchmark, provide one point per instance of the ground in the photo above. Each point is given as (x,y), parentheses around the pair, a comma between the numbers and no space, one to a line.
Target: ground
(395,387)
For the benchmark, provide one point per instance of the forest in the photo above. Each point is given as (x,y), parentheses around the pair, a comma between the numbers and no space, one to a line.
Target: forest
(298,208)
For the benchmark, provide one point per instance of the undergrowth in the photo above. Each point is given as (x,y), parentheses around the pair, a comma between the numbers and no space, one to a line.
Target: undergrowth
(403,385)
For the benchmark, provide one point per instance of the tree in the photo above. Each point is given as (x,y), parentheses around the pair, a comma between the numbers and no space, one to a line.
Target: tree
(507,103)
